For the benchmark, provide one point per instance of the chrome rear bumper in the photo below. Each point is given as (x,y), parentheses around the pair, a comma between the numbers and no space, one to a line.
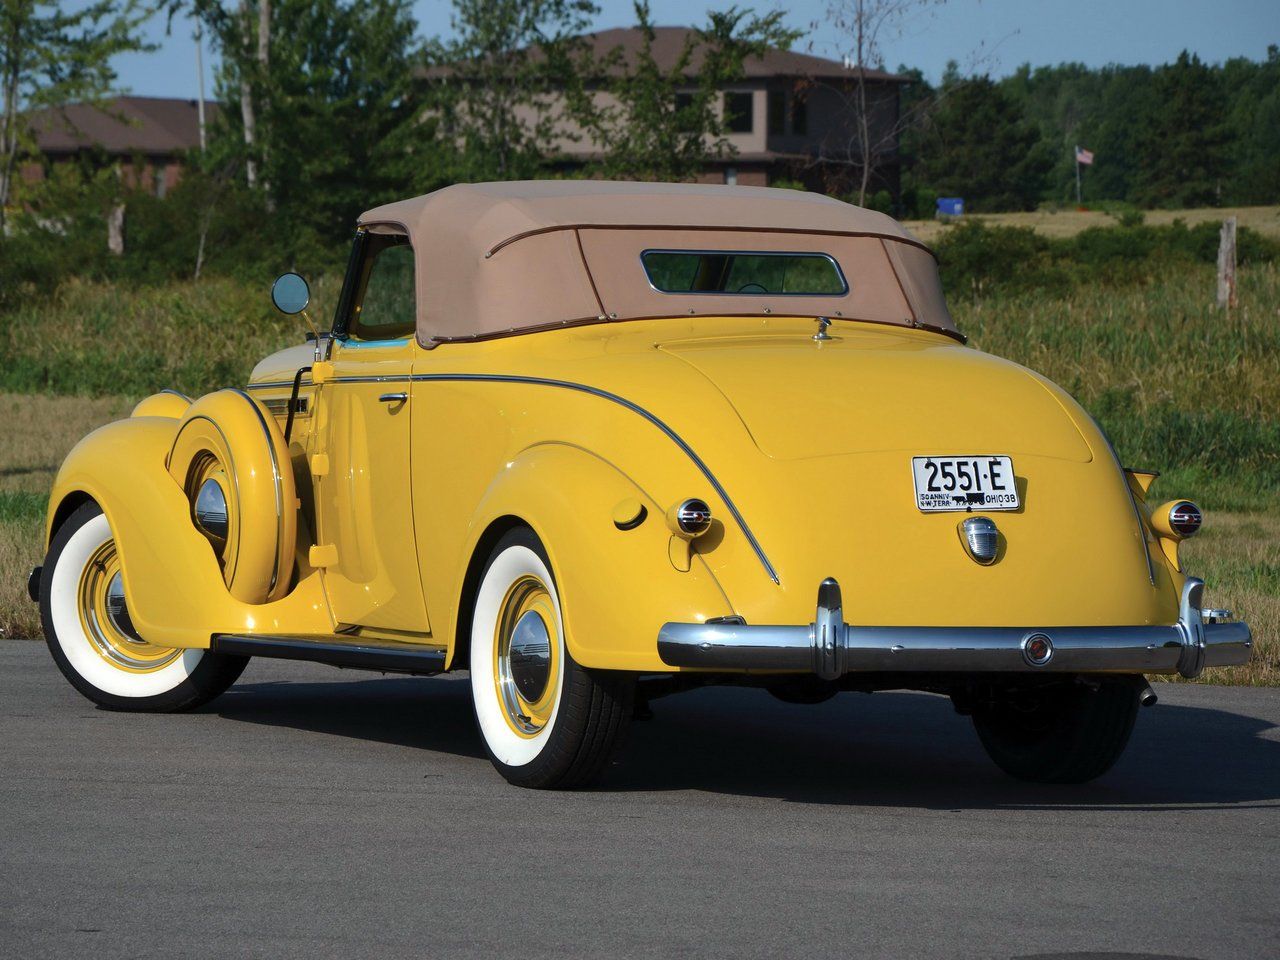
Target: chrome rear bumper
(832,648)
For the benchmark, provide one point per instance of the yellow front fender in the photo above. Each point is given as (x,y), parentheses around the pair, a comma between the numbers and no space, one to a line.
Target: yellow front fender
(173,585)
(617,587)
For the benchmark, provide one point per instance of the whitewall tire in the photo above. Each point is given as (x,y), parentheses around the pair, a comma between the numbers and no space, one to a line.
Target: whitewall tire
(91,637)
(545,720)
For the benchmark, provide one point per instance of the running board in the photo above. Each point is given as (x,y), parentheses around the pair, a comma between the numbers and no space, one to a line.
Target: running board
(388,657)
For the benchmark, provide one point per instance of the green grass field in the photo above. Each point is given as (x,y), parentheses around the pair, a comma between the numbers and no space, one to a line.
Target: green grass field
(1180,386)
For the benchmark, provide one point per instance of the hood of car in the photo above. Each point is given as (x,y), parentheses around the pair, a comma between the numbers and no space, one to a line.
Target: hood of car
(867,391)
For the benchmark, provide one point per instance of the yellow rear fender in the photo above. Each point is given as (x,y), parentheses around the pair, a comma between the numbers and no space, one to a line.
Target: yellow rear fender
(174,584)
(617,586)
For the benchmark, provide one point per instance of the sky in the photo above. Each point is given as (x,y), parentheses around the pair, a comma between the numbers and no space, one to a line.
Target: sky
(989,36)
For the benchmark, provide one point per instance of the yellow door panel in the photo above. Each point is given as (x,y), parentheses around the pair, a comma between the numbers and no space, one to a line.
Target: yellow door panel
(365,512)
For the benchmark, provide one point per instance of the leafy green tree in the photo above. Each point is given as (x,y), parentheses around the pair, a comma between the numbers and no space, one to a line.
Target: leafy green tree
(977,144)
(665,124)
(330,93)
(50,57)
(1253,121)
(1182,152)
(500,96)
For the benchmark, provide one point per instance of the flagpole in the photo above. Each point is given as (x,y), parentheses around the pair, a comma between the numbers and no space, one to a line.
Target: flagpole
(1079,202)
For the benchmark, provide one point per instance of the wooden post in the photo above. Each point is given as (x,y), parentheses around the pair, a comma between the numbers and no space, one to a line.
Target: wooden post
(1227,265)
(115,230)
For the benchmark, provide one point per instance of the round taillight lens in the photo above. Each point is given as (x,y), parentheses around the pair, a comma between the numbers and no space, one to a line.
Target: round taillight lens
(1185,518)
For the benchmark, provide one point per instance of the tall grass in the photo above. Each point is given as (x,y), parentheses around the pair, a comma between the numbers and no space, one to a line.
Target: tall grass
(1181,386)
(95,339)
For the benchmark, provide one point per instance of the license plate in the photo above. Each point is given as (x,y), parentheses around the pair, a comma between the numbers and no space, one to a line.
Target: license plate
(964,483)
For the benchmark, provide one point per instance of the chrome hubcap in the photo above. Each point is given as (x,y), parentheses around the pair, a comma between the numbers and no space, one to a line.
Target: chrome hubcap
(211,510)
(117,612)
(530,658)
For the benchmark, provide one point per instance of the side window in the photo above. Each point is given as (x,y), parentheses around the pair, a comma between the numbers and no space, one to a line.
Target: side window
(385,307)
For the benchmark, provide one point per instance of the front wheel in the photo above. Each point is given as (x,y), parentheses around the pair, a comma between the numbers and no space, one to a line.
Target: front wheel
(547,722)
(93,641)
(1066,733)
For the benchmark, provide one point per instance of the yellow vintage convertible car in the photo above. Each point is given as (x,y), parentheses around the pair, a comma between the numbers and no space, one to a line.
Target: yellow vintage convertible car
(599,442)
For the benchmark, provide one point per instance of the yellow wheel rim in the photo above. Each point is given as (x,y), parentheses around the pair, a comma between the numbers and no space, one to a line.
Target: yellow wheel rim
(526,656)
(105,618)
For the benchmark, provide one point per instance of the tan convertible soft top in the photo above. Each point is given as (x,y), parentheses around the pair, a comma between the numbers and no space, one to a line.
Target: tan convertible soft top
(502,258)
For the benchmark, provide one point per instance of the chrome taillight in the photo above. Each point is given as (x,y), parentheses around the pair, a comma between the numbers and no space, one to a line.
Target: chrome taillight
(981,538)
(1185,518)
(689,518)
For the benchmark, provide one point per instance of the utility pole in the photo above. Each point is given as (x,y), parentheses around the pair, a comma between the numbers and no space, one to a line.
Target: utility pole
(200,79)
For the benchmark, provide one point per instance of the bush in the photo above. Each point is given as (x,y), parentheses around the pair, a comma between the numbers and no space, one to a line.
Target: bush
(978,259)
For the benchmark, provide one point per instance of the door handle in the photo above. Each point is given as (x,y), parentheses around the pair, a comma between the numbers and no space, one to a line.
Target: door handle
(393,398)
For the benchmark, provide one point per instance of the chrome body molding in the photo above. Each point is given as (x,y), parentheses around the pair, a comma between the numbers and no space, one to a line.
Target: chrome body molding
(385,656)
(831,648)
(635,408)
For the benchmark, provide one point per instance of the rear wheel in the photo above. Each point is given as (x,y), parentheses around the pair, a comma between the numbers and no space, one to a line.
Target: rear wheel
(93,640)
(547,722)
(1067,733)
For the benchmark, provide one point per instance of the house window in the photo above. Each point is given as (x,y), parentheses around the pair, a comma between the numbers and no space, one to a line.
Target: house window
(685,122)
(731,176)
(799,116)
(738,111)
(159,182)
(777,112)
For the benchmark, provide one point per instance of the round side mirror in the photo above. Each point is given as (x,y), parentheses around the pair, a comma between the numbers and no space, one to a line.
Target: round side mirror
(290,293)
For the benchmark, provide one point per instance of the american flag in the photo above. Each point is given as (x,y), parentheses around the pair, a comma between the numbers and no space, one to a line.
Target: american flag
(1084,156)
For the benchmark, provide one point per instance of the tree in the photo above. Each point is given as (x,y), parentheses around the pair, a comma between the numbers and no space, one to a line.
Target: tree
(316,92)
(666,124)
(243,36)
(978,145)
(49,58)
(339,88)
(1182,151)
(1254,125)
(502,93)
(876,127)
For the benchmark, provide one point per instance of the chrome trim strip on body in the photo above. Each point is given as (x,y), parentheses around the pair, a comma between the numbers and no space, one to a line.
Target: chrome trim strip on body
(579,388)
(358,654)
(831,648)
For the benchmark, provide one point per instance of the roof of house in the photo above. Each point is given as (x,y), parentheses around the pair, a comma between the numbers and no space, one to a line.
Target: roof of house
(122,125)
(669,44)
(502,258)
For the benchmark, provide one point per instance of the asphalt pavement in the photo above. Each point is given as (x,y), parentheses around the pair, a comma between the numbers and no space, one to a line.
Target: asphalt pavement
(312,812)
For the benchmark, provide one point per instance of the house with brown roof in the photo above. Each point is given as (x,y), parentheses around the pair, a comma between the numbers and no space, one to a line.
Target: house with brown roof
(790,117)
(158,132)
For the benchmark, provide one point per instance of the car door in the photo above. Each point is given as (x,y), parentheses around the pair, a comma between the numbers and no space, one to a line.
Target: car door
(361,468)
